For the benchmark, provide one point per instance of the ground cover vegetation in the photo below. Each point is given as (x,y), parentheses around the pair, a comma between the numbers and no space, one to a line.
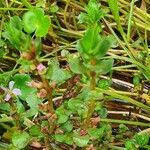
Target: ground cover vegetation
(74,75)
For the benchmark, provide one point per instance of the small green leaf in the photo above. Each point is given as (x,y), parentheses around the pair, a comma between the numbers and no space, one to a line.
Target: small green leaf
(60,137)
(105,66)
(36,21)
(123,128)
(56,74)
(142,139)
(75,104)
(35,131)
(63,115)
(103,84)
(67,126)
(64,138)
(136,80)
(96,132)
(83,18)
(16,40)
(103,46)
(62,118)
(88,43)
(76,65)
(54,8)
(103,112)
(20,139)
(102,67)
(30,21)
(79,140)
(4,107)
(93,13)
(130,145)
(20,107)
(33,101)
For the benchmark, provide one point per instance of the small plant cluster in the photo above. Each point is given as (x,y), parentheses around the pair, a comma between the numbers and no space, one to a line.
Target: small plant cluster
(46,106)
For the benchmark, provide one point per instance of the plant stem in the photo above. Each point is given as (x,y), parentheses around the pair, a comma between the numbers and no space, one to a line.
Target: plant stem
(6,119)
(126,122)
(50,98)
(12,9)
(125,98)
(91,106)
(116,147)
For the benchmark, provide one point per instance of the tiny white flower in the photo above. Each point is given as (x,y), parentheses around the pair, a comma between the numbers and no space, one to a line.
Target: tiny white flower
(9,91)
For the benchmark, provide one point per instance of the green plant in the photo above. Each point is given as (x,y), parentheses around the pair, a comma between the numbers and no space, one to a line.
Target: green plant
(63,88)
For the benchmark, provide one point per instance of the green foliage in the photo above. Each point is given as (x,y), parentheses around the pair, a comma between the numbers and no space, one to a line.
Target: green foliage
(75,64)
(79,122)
(67,126)
(79,140)
(96,133)
(113,5)
(63,114)
(142,139)
(93,13)
(20,139)
(56,74)
(35,131)
(130,145)
(104,84)
(35,21)
(103,112)
(92,45)
(16,40)
(64,138)
(136,80)
(123,128)
(21,82)
(54,8)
